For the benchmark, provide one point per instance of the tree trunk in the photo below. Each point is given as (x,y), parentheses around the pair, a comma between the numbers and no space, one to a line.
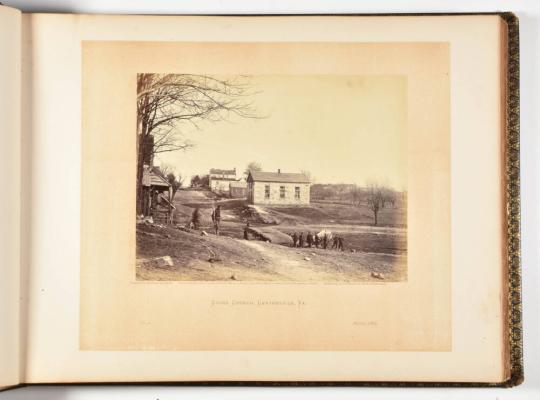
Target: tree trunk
(375,212)
(144,156)
(170,207)
(140,164)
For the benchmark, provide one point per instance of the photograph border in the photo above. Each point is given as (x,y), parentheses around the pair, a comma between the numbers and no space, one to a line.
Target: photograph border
(401,221)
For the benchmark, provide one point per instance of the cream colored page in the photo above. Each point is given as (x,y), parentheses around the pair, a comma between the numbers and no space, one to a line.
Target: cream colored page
(10,137)
(475,290)
(151,310)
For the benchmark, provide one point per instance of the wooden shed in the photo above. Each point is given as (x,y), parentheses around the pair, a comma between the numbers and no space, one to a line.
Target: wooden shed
(238,189)
(157,195)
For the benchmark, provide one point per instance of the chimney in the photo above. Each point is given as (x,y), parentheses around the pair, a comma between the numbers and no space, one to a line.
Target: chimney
(279,171)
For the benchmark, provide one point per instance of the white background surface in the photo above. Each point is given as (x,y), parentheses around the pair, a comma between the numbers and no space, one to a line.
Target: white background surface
(529,15)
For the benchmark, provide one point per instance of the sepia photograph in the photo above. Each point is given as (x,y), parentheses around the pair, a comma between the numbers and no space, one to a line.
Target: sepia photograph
(274,188)
(271,178)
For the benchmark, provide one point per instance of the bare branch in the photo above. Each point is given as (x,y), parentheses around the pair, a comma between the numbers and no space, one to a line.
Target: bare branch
(168,102)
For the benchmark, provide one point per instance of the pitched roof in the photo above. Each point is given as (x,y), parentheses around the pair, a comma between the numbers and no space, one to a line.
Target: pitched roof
(159,172)
(286,177)
(219,178)
(154,177)
(218,171)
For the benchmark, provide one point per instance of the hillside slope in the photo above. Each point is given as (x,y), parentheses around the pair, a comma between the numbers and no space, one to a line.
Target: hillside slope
(219,258)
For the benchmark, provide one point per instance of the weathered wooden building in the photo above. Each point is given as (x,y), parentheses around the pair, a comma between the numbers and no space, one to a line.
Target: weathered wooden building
(278,188)
(219,179)
(238,189)
(157,195)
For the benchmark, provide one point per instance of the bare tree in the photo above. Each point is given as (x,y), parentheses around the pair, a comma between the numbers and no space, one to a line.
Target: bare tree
(166,169)
(175,179)
(387,195)
(356,194)
(195,181)
(167,101)
(253,166)
(175,183)
(375,199)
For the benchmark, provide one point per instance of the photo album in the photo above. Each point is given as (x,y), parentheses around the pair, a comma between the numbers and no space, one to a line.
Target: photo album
(260,200)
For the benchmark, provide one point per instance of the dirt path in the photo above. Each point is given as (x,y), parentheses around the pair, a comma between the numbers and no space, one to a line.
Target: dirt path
(298,269)
(318,265)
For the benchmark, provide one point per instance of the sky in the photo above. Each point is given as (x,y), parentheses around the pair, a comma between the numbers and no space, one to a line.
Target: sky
(340,128)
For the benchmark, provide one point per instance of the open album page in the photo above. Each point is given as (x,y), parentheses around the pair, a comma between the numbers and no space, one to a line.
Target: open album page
(266,198)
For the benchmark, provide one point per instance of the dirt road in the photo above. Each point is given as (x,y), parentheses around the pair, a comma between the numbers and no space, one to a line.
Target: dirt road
(319,265)
(213,258)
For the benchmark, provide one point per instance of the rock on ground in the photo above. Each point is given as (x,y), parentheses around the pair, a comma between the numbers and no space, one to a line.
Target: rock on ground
(377,275)
(158,262)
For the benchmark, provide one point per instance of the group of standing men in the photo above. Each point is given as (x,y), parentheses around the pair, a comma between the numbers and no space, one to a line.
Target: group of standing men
(317,241)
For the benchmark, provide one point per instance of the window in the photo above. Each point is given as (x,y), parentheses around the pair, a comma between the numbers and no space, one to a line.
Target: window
(297,192)
(267,191)
(282,192)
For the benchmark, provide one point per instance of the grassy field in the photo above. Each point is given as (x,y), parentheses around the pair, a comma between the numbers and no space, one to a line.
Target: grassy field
(372,253)
(336,213)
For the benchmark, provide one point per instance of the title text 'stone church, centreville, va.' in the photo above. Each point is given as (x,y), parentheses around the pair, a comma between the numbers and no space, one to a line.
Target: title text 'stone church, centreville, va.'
(261,187)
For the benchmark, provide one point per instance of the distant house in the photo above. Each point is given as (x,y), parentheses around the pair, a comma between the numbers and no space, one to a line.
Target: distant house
(219,179)
(278,188)
(238,189)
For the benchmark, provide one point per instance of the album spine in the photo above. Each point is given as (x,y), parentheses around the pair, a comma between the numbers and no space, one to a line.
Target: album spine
(10,195)
(514,329)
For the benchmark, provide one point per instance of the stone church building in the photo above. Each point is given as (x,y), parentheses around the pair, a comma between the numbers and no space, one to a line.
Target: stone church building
(278,188)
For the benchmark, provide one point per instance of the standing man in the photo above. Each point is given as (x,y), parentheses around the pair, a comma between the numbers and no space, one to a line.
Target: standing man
(340,243)
(301,240)
(294,239)
(325,241)
(309,239)
(216,217)
(216,214)
(317,241)
(246,231)
(196,218)
(335,242)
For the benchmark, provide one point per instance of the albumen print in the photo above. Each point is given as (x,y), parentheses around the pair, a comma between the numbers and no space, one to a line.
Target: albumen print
(280,178)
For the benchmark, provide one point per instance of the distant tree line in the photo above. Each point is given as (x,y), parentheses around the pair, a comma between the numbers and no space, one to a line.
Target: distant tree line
(200,181)
(374,196)
(337,192)
(354,194)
